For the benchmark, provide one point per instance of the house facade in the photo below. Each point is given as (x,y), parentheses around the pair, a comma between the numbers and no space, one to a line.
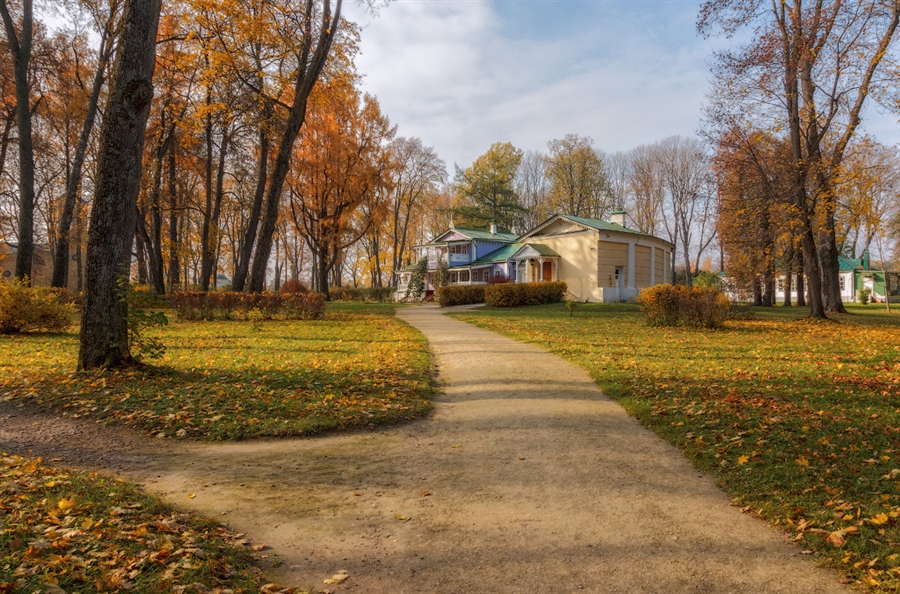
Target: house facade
(598,260)
(856,274)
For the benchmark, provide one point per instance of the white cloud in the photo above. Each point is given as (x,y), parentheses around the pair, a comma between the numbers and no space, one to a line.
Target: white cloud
(463,75)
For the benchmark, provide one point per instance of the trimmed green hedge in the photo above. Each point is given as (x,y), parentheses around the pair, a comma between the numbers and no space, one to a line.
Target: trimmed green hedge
(519,294)
(459,295)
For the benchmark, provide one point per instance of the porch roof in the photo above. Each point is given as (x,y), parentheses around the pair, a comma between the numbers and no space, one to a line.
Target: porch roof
(541,249)
(502,255)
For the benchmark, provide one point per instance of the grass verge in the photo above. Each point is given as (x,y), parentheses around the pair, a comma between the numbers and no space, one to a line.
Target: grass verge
(797,419)
(64,531)
(358,368)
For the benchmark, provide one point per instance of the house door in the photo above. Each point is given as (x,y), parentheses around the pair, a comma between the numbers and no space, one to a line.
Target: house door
(547,272)
(620,280)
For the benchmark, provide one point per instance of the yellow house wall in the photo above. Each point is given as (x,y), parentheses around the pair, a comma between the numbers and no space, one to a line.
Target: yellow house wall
(611,255)
(642,266)
(578,263)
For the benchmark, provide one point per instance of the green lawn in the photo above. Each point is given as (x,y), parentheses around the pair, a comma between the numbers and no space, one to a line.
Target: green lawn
(63,531)
(798,420)
(357,368)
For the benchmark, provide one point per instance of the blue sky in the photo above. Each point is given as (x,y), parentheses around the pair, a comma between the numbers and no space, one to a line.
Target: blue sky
(462,74)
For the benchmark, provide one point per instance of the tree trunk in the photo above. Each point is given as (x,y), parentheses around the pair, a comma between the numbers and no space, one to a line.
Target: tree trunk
(306,78)
(19,44)
(211,221)
(174,265)
(104,317)
(246,247)
(73,183)
(831,266)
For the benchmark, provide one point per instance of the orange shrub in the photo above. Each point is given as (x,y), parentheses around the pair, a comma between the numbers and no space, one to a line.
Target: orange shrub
(459,295)
(518,294)
(677,305)
(231,305)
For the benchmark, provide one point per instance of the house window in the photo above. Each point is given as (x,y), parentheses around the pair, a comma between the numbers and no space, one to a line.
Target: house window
(459,249)
(463,276)
(843,283)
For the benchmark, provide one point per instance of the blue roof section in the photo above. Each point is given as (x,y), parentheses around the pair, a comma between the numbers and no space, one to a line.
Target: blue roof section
(847,264)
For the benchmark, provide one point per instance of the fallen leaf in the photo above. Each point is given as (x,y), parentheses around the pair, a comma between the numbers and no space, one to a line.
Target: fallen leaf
(66,504)
(337,578)
(259,547)
(402,518)
(426,493)
(743,460)
(801,461)
(879,519)
(837,538)
(191,495)
(458,445)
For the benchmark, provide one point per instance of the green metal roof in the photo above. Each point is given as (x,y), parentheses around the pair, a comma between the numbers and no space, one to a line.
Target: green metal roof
(847,264)
(486,235)
(542,249)
(602,225)
(501,255)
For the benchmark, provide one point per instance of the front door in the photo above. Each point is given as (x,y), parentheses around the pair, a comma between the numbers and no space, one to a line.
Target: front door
(547,272)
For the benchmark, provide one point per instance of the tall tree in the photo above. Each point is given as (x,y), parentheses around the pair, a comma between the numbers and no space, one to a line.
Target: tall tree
(577,178)
(19,42)
(533,191)
(417,176)
(104,317)
(487,188)
(104,17)
(808,70)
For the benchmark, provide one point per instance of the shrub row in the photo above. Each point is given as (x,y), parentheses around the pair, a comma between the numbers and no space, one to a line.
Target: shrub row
(518,294)
(27,309)
(380,294)
(221,305)
(677,305)
(459,295)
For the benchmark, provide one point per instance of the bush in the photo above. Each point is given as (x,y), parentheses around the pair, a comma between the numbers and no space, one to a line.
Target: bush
(864,294)
(28,309)
(518,294)
(294,286)
(676,305)
(237,306)
(707,279)
(380,294)
(459,295)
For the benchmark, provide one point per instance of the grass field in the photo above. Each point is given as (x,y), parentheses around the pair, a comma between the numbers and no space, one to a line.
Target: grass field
(798,420)
(64,531)
(358,368)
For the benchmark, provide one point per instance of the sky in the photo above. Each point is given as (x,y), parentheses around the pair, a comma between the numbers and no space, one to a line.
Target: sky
(463,74)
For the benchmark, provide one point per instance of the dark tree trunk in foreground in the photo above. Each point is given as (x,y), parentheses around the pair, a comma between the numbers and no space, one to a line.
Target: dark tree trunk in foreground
(104,317)
(19,43)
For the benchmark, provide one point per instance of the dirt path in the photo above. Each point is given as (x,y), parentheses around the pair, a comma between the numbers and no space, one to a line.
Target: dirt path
(525,479)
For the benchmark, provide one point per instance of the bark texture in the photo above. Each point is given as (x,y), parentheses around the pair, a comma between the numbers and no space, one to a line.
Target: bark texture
(104,318)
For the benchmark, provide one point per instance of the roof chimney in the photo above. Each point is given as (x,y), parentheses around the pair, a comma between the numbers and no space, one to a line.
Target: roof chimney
(617,217)
(493,228)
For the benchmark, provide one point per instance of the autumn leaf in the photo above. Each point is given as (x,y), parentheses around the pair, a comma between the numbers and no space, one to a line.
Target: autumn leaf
(838,537)
(338,578)
(802,461)
(743,460)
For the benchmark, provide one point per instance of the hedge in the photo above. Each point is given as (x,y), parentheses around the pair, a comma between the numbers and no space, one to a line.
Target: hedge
(27,309)
(519,294)
(232,305)
(380,294)
(459,295)
(677,305)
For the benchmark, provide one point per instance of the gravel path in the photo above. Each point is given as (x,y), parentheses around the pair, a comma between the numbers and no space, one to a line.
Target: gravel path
(525,479)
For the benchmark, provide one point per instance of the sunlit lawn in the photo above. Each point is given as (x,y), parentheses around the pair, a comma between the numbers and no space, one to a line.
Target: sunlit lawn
(357,368)
(66,531)
(798,420)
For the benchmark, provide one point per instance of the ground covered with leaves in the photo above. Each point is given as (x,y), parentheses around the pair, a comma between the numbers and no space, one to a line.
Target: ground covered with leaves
(63,531)
(798,419)
(359,367)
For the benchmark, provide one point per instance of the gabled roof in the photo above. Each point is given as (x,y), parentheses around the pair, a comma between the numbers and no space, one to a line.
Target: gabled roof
(595,224)
(848,264)
(540,248)
(485,235)
(473,234)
